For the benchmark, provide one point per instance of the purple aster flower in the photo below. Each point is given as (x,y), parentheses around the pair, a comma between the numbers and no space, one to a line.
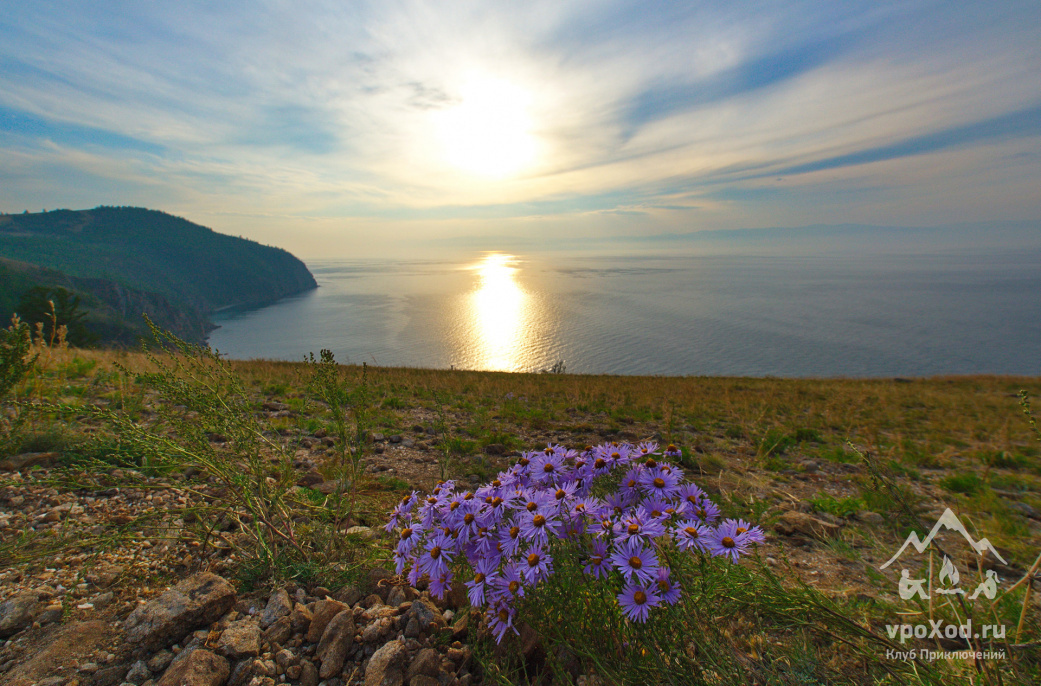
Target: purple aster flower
(485,574)
(564,491)
(638,525)
(633,560)
(637,600)
(510,584)
(440,583)
(537,564)
(511,538)
(438,553)
(616,503)
(753,533)
(534,526)
(401,511)
(727,542)
(668,589)
(690,494)
(672,451)
(659,482)
(658,508)
(500,620)
(706,511)
(598,564)
(547,466)
(629,486)
(645,448)
(691,533)
(407,540)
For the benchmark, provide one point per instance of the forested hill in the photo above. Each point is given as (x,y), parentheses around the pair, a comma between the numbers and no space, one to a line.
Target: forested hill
(137,259)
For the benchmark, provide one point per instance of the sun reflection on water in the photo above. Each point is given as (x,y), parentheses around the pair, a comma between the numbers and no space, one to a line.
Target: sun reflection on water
(499,310)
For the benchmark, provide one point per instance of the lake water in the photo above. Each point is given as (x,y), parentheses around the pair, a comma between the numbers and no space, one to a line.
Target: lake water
(744,315)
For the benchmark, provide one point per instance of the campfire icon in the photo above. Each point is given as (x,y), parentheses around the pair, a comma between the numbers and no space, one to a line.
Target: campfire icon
(949,577)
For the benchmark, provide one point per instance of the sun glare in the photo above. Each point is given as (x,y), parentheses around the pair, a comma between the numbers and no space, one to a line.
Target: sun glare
(489,132)
(498,312)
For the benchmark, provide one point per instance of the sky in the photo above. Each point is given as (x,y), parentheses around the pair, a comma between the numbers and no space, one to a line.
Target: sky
(383,128)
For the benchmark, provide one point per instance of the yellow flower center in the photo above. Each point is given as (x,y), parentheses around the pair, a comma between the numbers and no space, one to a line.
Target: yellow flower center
(639,597)
(728,542)
(635,562)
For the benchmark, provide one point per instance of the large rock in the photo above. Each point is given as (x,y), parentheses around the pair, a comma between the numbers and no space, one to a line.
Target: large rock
(241,639)
(73,643)
(324,611)
(387,666)
(336,640)
(422,618)
(201,668)
(16,613)
(801,524)
(16,463)
(427,662)
(197,601)
(278,605)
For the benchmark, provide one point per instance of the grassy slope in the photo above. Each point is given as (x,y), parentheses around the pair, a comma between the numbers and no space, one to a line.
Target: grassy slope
(762,447)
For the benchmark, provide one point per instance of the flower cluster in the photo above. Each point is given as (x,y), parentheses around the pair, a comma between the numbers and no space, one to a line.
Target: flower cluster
(506,530)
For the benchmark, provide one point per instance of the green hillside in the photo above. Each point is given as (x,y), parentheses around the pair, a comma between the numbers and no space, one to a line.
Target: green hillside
(124,261)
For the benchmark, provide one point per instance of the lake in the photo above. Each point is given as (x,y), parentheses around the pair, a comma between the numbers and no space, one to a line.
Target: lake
(854,315)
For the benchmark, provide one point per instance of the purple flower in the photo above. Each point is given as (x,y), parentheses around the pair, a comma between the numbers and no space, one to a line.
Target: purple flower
(691,533)
(547,466)
(706,511)
(535,525)
(637,600)
(660,482)
(754,533)
(510,584)
(598,564)
(638,525)
(439,551)
(500,620)
(668,589)
(633,560)
(537,564)
(727,542)
(484,576)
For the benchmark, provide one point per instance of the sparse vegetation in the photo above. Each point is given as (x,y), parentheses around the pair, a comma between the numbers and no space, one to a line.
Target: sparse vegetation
(814,612)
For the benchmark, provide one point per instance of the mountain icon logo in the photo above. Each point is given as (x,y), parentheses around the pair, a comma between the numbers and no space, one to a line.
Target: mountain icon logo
(949,521)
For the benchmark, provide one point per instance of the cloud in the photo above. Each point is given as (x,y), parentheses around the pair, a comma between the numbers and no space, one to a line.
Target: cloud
(325,109)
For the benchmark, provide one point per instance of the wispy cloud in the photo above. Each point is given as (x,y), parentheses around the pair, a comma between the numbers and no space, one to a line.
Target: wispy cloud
(328,111)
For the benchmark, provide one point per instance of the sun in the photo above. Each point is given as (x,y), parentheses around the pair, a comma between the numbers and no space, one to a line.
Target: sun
(489,132)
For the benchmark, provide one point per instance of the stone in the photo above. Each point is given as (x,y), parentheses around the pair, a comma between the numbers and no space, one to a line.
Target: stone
(794,523)
(280,631)
(401,594)
(336,639)
(160,661)
(50,614)
(387,665)
(139,673)
(310,479)
(377,631)
(240,640)
(308,673)
(349,595)
(426,662)
(71,644)
(104,575)
(16,463)
(324,611)
(363,532)
(103,600)
(16,613)
(871,518)
(200,668)
(371,600)
(109,676)
(461,628)
(278,605)
(426,615)
(300,619)
(494,449)
(197,601)
(424,680)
